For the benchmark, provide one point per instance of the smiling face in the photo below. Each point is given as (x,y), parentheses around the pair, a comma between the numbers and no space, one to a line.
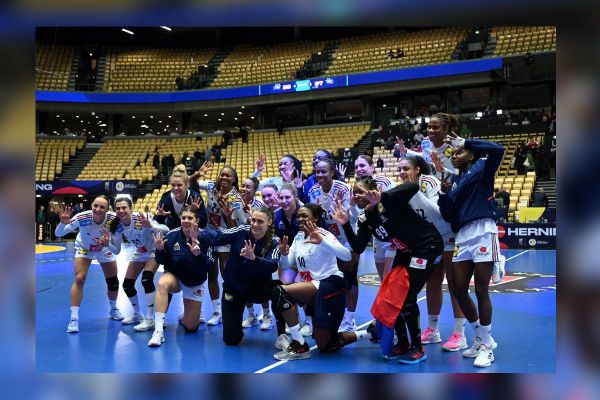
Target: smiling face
(247,190)
(437,131)
(319,155)
(358,191)
(304,215)
(286,167)
(363,168)
(226,177)
(259,223)
(408,173)
(187,219)
(269,196)
(123,211)
(99,208)
(324,174)
(178,188)
(287,200)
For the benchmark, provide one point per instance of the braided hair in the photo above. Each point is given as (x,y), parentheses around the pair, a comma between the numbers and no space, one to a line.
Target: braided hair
(448,120)
(419,162)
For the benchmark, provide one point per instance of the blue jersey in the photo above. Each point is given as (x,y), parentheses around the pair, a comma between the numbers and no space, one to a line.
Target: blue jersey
(472,194)
(285,227)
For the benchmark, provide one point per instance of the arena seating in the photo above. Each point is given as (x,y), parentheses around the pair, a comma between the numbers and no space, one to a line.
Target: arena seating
(53,66)
(52,154)
(524,39)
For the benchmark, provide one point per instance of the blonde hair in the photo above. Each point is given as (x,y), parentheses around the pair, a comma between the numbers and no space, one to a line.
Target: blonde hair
(180,172)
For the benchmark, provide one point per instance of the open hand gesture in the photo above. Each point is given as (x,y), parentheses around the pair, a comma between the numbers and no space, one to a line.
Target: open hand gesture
(194,246)
(65,215)
(284,247)
(104,238)
(159,241)
(400,144)
(373,197)
(260,162)
(226,208)
(437,162)
(205,168)
(314,236)
(145,221)
(196,202)
(248,250)
(340,215)
(162,212)
(341,169)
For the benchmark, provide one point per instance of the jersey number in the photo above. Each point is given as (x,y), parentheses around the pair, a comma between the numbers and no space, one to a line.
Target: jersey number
(301,262)
(381,232)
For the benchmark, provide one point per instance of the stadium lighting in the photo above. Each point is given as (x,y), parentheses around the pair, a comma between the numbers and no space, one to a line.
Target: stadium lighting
(206,115)
(127,31)
(169,116)
(166,28)
(239,112)
(479,114)
(426,120)
(222,113)
(498,112)
(133,116)
(385,105)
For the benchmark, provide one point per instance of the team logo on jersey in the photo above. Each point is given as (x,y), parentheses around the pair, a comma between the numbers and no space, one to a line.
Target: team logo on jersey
(397,244)
(455,251)
(362,217)
(85,222)
(423,187)
(483,251)
(417,263)
(449,152)
(176,247)
(82,251)
(381,208)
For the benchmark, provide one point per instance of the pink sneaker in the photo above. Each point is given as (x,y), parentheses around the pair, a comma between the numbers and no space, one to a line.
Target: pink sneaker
(456,342)
(430,335)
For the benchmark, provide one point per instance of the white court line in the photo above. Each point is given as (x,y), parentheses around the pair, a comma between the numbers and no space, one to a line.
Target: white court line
(260,371)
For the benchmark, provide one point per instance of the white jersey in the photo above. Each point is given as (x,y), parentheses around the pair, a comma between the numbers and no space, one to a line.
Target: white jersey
(89,231)
(316,261)
(445,151)
(429,210)
(429,185)
(317,195)
(141,238)
(215,214)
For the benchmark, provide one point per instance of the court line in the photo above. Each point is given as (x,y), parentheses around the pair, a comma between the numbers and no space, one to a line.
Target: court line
(517,255)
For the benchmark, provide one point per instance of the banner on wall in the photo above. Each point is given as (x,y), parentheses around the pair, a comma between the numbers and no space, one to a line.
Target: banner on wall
(58,188)
(515,236)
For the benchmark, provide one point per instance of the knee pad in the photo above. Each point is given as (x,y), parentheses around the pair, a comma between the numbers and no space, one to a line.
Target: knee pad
(112,283)
(351,278)
(334,344)
(148,281)
(129,287)
(282,300)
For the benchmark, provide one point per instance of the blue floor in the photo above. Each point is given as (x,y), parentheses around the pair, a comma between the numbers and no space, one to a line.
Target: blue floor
(524,325)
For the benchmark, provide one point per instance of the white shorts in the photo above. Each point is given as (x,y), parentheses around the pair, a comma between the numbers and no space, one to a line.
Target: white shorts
(380,249)
(484,248)
(141,257)
(449,241)
(103,256)
(195,293)
(222,249)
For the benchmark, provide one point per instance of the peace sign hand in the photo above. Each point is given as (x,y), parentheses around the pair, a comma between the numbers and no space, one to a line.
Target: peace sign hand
(196,202)
(159,241)
(313,233)
(248,250)
(340,215)
(284,248)
(144,220)
(161,211)
(194,246)
(225,206)
(104,238)
(65,215)
(445,182)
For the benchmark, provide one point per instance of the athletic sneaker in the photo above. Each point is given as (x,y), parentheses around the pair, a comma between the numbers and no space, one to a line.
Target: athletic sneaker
(372,331)
(145,325)
(307,328)
(267,323)
(430,335)
(282,343)
(473,351)
(396,352)
(485,356)
(348,326)
(73,326)
(498,270)
(133,319)
(215,319)
(116,314)
(202,320)
(250,321)
(295,351)
(157,339)
(456,342)
(260,317)
(412,356)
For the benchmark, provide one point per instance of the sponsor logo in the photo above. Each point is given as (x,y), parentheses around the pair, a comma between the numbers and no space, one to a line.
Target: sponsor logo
(532,242)
(437,260)
(43,186)
(501,231)
(448,152)
(530,232)
(119,186)
(397,244)
(176,247)
(423,187)
(483,249)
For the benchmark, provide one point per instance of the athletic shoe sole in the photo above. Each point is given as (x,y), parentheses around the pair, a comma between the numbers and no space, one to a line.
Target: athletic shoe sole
(402,361)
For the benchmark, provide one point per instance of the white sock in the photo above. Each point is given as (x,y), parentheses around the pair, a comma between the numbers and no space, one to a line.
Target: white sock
(113,304)
(486,332)
(349,315)
(434,321)
(150,302)
(361,335)
(295,333)
(459,325)
(135,304)
(476,327)
(159,321)
(250,309)
(74,312)
(217,305)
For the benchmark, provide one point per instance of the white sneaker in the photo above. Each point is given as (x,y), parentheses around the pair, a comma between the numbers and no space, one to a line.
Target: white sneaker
(498,270)
(215,319)
(250,321)
(493,343)
(116,314)
(157,339)
(485,357)
(145,325)
(260,317)
(473,351)
(282,343)
(133,319)
(73,326)
(202,320)
(307,329)
(348,326)
(267,323)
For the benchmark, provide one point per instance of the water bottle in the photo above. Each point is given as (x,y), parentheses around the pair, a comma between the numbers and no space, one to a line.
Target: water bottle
(426,149)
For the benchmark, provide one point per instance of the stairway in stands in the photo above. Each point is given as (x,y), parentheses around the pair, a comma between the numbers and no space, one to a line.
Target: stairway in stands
(550,190)
(72,170)
(361,147)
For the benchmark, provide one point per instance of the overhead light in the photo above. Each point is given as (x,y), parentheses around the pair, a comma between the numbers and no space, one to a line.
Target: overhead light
(152,116)
(385,105)
(93,113)
(252,117)
(206,115)
(219,119)
(166,28)
(127,31)
(169,116)
(81,121)
(143,122)
(133,116)
(239,112)
(479,114)
(243,107)
(426,120)
(91,55)
(160,122)
(57,116)
(77,116)
(235,118)
(222,113)
(477,32)
(498,112)
(167,126)
(62,120)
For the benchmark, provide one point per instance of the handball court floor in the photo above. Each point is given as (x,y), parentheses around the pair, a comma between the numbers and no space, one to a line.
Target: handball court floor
(524,325)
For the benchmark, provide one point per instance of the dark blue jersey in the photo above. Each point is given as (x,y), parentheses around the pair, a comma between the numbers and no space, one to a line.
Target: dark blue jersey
(173,221)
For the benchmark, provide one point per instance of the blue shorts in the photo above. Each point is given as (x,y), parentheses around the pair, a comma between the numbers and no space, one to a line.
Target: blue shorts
(330,303)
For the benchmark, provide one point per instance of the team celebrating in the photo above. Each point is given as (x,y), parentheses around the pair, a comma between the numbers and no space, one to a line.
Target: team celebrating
(296,250)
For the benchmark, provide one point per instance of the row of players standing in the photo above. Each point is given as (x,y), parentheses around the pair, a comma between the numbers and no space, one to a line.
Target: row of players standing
(398,218)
